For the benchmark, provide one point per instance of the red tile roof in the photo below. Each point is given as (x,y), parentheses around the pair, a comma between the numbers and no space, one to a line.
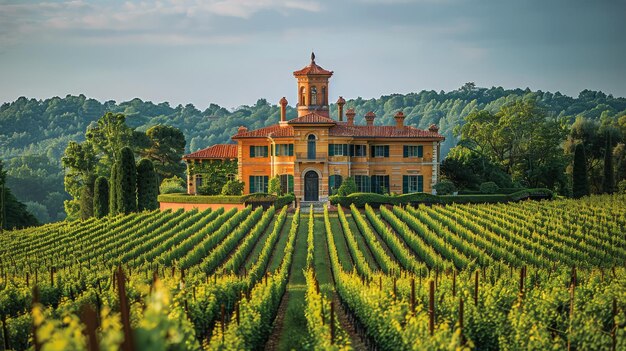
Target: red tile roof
(217,151)
(275,130)
(343,129)
(312,118)
(312,69)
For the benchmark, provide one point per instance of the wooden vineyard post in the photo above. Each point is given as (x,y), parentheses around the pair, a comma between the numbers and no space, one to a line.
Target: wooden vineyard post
(431,309)
(237,312)
(522,275)
(571,315)
(461,320)
(395,288)
(332,322)
(5,333)
(454,283)
(476,288)
(36,343)
(90,320)
(614,330)
(128,343)
(51,276)
(380,283)
(412,295)
(223,321)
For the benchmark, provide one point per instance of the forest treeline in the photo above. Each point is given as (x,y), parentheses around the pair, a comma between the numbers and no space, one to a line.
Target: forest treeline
(35,133)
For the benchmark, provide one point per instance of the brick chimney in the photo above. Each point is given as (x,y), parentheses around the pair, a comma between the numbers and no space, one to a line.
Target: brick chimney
(399,117)
(369,118)
(283,110)
(433,128)
(350,114)
(340,104)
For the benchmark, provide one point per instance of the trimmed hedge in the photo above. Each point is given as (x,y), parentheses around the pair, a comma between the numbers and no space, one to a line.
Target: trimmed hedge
(278,202)
(375,200)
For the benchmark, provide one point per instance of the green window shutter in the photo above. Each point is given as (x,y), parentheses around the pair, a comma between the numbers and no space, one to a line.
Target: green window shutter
(420,151)
(345,149)
(420,183)
(291,151)
(265,182)
(331,149)
(405,151)
(290,183)
(405,184)
(386,150)
(368,187)
(274,149)
(372,153)
(251,184)
(375,185)
(331,182)
(252,151)
(264,151)
(387,184)
(351,150)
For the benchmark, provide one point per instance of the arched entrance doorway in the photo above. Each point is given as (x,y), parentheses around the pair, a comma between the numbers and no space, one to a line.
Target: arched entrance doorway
(311,186)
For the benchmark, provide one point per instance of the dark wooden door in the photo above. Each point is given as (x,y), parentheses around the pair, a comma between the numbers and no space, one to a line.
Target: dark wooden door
(311,186)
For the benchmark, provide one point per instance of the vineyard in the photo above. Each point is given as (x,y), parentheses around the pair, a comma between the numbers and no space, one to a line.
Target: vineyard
(518,276)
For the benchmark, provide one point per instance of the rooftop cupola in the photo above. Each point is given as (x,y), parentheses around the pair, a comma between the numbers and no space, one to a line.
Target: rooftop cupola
(312,89)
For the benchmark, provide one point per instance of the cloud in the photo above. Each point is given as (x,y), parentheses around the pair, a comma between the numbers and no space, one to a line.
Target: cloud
(173,21)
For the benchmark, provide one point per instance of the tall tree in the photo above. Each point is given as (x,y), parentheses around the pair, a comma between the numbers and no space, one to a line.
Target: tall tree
(109,135)
(79,162)
(580,181)
(147,186)
(126,180)
(13,214)
(166,148)
(113,210)
(101,197)
(86,202)
(608,183)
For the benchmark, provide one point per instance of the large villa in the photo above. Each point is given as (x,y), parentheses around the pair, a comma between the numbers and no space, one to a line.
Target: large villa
(314,152)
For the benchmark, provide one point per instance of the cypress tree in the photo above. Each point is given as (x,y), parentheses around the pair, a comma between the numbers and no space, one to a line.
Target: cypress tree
(580,186)
(86,201)
(126,182)
(113,190)
(101,197)
(147,186)
(608,183)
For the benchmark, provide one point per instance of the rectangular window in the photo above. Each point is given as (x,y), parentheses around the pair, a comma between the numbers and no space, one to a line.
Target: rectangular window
(380,184)
(358,150)
(258,184)
(258,151)
(413,151)
(337,149)
(284,150)
(380,151)
(286,183)
(198,180)
(412,184)
(362,183)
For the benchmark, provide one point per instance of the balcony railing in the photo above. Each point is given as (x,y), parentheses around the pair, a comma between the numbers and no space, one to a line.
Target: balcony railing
(317,157)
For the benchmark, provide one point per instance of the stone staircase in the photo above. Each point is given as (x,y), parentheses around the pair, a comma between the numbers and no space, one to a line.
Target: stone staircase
(318,206)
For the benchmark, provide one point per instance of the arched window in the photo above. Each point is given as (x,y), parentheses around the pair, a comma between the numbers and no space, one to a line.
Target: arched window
(324,97)
(311,147)
(231,176)
(313,96)
(302,96)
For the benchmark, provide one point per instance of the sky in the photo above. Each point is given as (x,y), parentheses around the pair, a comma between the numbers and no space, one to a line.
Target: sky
(233,52)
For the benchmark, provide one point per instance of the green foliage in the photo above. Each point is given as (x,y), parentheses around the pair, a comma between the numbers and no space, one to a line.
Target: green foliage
(285,200)
(201,199)
(580,182)
(126,182)
(445,187)
(172,185)
(233,187)
(608,181)
(347,187)
(165,150)
(101,197)
(274,186)
(86,201)
(489,188)
(108,136)
(38,210)
(214,174)
(79,161)
(468,169)
(621,187)
(147,186)
(113,189)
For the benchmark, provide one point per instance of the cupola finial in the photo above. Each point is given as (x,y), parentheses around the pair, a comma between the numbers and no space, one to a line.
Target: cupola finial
(312,57)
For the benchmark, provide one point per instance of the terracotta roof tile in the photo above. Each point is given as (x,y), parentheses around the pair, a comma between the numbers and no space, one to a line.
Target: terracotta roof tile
(312,118)
(275,130)
(312,69)
(343,129)
(217,151)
